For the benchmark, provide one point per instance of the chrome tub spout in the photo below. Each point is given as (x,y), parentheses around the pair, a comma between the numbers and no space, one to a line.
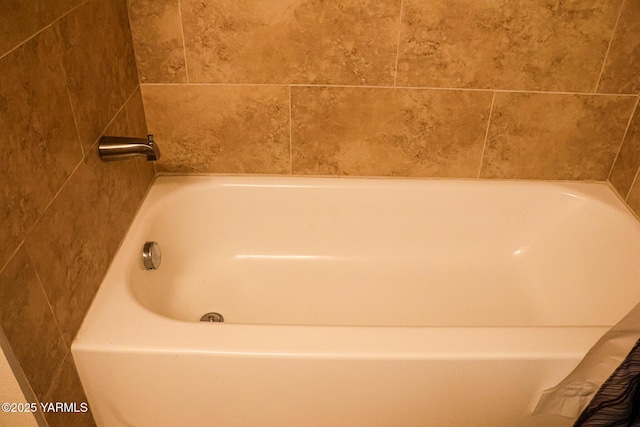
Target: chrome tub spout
(117,148)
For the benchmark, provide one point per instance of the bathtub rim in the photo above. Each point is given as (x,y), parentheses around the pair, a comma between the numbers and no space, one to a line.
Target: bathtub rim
(161,175)
(599,189)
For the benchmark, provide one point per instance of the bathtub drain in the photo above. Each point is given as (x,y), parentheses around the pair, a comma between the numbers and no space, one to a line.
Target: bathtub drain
(212,317)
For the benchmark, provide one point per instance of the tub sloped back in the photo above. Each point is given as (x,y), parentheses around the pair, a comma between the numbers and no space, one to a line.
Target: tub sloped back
(333,251)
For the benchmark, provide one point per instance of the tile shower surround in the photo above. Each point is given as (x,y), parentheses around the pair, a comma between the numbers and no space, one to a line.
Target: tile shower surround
(462,89)
(64,82)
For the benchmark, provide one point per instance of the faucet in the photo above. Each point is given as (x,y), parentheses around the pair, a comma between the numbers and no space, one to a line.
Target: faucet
(117,148)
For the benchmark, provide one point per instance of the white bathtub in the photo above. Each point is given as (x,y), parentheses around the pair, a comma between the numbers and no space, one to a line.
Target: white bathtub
(355,302)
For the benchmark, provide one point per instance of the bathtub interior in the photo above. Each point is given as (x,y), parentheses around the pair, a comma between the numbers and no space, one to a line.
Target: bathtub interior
(367,252)
(445,295)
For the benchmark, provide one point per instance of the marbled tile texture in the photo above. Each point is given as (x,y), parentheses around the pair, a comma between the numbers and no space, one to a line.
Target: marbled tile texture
(491,45)
(157,39)
(230,129)
(397,132)
(550,45)
(39,147)
(621,73)
(100,65)
(67,71)
(74,241)
(291,41)
(549,136)
(22,19)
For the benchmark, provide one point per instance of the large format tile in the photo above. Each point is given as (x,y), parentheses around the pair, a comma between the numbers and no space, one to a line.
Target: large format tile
(291,41)
(508,44)
(157,39)
(29,324)
(21,19)
(400,132)
(549,136)
(230,129)
(99,61)
(74,241)
(40,146)
(621,73)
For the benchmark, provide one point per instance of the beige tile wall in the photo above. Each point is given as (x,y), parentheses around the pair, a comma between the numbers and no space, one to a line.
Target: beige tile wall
(434,88)
(67,76)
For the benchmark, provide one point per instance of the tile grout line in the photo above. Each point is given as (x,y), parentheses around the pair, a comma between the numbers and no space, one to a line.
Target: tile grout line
(290,135)
(635,178)
(624,136)
(486,134)
(55,196)
(43,29)
(606,55)
(58,371)
(53,313)
(12,255)
(395,87)
(73,110)
(395,76)
(135,51)
(75,121)
(184,45)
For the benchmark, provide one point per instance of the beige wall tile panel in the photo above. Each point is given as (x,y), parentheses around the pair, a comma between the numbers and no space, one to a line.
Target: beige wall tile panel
(390,132)
(291,41)
(100,64)
(628,160)
(67,388)
(545,45)
(550,136)
(20,19)
(157,40)
(230,129)
(74,241)
(40,146)
(29,324)
(621,72)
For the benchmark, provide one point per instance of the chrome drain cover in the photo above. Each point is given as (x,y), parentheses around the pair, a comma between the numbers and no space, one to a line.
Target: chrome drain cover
(212,317)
